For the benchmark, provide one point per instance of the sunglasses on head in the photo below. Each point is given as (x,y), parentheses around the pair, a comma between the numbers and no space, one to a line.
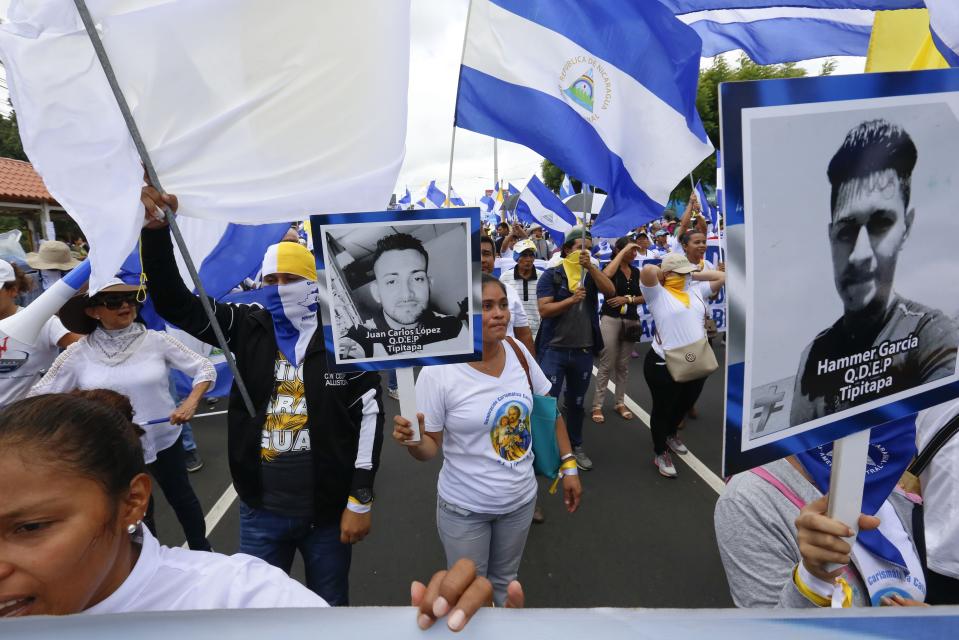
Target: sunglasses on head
(114,301)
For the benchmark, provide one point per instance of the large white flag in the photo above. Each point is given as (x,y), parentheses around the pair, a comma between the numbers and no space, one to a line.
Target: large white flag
(252,111)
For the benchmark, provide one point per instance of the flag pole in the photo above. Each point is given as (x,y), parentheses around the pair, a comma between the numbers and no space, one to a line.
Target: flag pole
(466,32)
(155,181)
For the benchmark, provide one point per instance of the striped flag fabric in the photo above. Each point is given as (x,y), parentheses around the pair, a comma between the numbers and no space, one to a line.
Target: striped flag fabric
(617,77)
(688,6)
(540,205)
(434,195)
(944,25)
(454,199)
(566,189)
(406,200)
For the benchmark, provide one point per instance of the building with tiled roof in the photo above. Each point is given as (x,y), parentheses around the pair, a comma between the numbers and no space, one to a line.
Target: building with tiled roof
(25,204)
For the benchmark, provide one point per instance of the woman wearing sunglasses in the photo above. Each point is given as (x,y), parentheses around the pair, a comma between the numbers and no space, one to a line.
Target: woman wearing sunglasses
(118,353)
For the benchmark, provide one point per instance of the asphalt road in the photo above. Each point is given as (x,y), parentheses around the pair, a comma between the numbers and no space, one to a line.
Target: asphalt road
(638,540)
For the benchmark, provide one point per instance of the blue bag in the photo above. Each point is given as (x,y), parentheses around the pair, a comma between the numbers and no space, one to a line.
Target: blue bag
(542,420)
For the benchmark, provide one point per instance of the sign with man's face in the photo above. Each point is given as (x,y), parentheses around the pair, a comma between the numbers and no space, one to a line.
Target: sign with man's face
(399,288)
(840,198)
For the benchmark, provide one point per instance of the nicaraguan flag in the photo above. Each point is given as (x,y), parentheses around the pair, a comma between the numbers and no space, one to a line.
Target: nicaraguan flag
(891,449)
(434,195)
(513,191)
(944,25)
(617,77)
(688,6)
(719,183)
(538,204)
(704,203)
(785,33)
(455,199)
(406,200)
(488,202)
(566,189)
(293,329)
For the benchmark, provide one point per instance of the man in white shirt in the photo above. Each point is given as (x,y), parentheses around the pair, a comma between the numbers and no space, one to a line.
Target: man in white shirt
(522,279)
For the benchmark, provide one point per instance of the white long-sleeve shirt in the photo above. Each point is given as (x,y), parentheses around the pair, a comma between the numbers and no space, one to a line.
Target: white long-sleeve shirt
(143,378)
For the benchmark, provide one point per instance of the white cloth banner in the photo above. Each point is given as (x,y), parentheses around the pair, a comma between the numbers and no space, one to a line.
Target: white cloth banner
(252,111)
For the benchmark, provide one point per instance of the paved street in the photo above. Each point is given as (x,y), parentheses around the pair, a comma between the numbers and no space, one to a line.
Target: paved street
(639,540)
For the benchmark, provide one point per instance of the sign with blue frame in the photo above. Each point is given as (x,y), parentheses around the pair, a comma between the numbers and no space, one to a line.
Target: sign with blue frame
(399,288)
(842,277)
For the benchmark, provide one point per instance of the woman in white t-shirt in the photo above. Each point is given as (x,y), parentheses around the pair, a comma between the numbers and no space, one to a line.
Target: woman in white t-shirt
(676,295)
(21,364)
(478,413)
(71,538)
(118,353)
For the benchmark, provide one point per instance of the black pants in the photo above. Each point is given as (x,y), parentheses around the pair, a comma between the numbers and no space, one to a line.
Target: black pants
(671,399)
(170,474)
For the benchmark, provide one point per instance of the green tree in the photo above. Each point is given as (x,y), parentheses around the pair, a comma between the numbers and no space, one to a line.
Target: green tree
(707,102)
(10,145)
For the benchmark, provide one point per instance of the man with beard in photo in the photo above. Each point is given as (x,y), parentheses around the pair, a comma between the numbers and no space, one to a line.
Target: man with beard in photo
(404,323)
(883,343)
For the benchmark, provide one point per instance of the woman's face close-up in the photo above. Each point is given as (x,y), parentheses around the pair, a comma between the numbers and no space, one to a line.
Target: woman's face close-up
(120,317)
(696,248)
(60,538)
(495,313)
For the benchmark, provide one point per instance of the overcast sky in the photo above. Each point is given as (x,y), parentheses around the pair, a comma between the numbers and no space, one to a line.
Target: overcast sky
(437,32)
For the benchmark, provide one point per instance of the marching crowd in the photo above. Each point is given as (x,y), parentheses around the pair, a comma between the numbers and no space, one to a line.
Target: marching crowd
(89,424)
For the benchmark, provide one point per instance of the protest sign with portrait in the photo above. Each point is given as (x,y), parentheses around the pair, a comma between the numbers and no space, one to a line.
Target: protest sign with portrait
(841,225)
(398,288)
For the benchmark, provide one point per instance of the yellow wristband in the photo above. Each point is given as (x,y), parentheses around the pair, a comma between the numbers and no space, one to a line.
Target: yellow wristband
(569,464)
(808,593)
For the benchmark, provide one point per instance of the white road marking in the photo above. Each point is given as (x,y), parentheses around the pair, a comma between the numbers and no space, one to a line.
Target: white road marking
(226,500)
(692,461)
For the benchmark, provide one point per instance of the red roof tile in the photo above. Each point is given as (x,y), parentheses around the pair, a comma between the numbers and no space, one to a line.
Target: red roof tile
(20,183)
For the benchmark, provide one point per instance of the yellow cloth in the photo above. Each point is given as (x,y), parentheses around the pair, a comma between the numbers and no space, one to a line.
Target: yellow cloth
(573,269)
(290,257)
(676,286)
(901,41)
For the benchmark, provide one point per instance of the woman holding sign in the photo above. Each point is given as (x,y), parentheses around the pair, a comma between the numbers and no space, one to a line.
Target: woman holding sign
(478,414)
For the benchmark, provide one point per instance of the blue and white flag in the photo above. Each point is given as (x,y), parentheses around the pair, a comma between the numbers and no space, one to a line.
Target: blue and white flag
(566,189)
(704,204)
(617,77)
(784,33)
(489,203)
(455,199)
(892,447)
(294,309)
(688,6)
(944,25)
(513,191)
(434,195)
(540,205)
(719,183)
(406,200)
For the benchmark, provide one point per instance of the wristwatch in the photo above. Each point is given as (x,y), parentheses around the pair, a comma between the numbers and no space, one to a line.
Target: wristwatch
(363,496)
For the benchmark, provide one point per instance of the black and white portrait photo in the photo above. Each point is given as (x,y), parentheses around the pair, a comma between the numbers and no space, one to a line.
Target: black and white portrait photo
(399,289)
(851,220)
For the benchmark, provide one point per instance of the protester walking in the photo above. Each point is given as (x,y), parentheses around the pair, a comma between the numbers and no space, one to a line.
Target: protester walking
(120,353)
(569,335)
(619,325)
(79,546)
(478,414)
(21,364)
(522,280)
(304,465)
(676,294)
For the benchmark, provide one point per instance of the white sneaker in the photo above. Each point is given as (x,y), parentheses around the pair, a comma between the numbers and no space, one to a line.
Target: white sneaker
(674,443)
(665,465)
(393,393)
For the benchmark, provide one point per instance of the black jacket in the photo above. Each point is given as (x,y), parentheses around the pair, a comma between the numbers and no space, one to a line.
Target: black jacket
(335,401)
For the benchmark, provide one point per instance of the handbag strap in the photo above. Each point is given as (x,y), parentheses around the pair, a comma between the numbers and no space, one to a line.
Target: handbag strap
(780,485)
(938,441)
(522,361)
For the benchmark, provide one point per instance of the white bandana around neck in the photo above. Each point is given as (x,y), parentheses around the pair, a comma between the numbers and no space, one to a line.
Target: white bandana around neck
(294,309)
(883,578)
(114,347)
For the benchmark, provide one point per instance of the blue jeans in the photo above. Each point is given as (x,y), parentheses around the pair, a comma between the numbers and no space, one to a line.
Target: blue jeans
(275,538)
(574,367)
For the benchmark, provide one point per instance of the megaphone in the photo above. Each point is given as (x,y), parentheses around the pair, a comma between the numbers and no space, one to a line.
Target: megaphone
(25,325)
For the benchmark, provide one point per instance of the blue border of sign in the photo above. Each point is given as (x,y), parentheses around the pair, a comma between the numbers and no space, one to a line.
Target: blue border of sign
(319,222)
(734,97)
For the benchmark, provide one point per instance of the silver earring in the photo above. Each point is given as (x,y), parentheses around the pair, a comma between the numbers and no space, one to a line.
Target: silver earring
(131,529)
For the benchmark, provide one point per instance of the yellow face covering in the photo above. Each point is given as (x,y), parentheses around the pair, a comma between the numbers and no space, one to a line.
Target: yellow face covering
(676,286)
(573,269)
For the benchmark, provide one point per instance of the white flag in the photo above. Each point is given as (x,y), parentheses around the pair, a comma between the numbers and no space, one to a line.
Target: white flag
(252,111)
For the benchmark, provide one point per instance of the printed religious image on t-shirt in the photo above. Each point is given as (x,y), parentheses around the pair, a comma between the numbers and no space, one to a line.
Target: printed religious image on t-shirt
(398,290)
(852,276)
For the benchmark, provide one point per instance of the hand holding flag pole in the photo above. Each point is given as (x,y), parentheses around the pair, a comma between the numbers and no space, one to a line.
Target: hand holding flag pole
(154,180)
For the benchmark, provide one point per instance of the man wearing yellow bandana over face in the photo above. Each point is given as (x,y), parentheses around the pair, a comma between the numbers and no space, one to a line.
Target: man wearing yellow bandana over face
(304,465)
(569,335)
